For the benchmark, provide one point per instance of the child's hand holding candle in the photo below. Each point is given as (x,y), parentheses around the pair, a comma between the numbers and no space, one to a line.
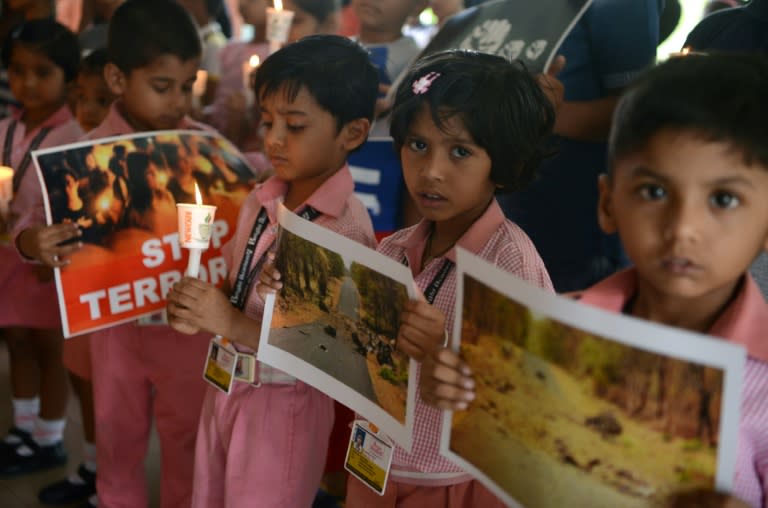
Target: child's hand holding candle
(195,227)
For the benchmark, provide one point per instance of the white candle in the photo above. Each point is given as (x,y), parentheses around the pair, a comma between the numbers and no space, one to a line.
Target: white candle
(195,227)
(278,25)
(6,189)
(684,52)
(249,67)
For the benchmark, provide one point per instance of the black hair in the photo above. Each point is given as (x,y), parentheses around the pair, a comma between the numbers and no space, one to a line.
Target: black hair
(319,9)
(335,70)
(48,37)
(94,62)
(142,30)
(717,97)
(500,104)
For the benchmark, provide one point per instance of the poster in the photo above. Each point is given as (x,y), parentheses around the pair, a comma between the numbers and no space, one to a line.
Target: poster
(123,191)
(334,323)
(529,31)
(579,407)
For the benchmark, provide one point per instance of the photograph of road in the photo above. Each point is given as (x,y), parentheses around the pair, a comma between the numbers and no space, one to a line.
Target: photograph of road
(565,416)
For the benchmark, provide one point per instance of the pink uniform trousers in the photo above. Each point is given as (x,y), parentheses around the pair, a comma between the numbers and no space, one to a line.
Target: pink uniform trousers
(140,373)
(26,301)
(261,447)
(469,494)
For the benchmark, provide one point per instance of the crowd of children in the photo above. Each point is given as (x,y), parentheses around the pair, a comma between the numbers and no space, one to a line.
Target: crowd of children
(686,192)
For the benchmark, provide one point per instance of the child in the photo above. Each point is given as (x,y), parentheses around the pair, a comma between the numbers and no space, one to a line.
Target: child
(92,101)
(265,444)
(42,58)
(466,125)
(687,192)
(231,113)
(146,372)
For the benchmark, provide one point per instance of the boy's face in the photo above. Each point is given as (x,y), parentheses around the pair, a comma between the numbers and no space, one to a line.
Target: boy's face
(35,80)
(92,100)
(692,215)
(301,138)
(305,24)
(385,15)
(447,173)
(156,96)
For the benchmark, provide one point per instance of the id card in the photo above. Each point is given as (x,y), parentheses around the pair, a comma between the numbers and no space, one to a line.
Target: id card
(156,319)
(220,364)
(245,368)
(369,456)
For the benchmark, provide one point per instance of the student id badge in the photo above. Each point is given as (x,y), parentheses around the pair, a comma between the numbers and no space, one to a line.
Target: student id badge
(220,364)
(369,455)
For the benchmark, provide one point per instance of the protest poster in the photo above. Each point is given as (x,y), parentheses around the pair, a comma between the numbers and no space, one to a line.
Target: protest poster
(334,323)
(529,31)
(378,178)
(122,192)
(579,407)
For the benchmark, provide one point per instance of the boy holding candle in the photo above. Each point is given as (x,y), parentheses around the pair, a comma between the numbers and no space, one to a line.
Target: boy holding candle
(141,373)
(264,444)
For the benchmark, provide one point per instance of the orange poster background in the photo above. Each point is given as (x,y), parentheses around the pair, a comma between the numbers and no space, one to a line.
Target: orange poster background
(131,254)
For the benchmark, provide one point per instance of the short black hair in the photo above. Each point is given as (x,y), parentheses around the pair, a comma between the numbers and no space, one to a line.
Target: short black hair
(142,30)
(717,97)
(94,62)
(499,102)
(48,37)
(319,9)
(335,70)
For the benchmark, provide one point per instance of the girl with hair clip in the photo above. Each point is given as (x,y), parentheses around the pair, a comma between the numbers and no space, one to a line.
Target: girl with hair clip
(467,126)
(42,58)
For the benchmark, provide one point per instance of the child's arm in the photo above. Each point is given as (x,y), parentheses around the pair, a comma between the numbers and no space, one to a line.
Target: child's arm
(44,243)
(194,306)
(446,381)
(422,329)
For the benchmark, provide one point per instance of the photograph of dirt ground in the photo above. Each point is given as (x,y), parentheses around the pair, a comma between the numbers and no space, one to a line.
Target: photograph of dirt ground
(341,317)
(565,418)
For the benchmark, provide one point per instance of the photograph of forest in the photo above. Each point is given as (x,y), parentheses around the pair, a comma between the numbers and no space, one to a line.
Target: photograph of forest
(341,317)
(566,418)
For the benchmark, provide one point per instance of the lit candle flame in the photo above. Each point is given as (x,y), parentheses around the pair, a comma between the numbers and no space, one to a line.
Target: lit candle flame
(254,61)
(278,5)
(686,50)
(198,196)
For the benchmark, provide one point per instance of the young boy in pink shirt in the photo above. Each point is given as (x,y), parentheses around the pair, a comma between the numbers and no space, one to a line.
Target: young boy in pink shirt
(141,373)
(264,444)
(687,191)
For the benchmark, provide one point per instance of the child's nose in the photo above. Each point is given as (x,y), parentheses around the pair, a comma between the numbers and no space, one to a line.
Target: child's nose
(683,221)
(433,168)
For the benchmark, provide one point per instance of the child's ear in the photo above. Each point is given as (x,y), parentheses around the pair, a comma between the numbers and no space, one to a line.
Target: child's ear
(605,205)
(115,78)
(354,133)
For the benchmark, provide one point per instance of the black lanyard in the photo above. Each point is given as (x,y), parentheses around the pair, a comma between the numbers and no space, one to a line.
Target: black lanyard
(246,275)
(430,293)
(18,173)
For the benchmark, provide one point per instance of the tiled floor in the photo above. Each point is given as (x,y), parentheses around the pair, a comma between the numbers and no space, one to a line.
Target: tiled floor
(21,492)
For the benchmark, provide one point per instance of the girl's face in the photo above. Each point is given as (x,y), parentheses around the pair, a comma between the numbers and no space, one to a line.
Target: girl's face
(92,100)
(35,80)
(254,12)
(446,172)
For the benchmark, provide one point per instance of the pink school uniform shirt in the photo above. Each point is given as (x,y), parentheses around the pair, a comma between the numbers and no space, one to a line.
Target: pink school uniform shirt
(34,302)
(495,239)
(745,322)
(232,58)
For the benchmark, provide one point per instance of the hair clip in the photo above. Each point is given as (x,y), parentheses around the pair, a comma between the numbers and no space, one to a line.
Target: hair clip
(421,85)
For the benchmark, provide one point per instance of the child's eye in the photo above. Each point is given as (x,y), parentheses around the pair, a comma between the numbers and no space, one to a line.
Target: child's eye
(161,88)
(724,200)
(296,128)
(266,125)
(652,192)
(417,145)
(460,152)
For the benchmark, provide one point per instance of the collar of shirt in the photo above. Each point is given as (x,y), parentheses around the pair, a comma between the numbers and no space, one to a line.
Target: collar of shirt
(329,199)
(58,118)
(473,240)
(744,322)
(115,124)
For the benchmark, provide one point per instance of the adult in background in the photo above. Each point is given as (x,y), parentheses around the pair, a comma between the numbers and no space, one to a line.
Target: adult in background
(613,42)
